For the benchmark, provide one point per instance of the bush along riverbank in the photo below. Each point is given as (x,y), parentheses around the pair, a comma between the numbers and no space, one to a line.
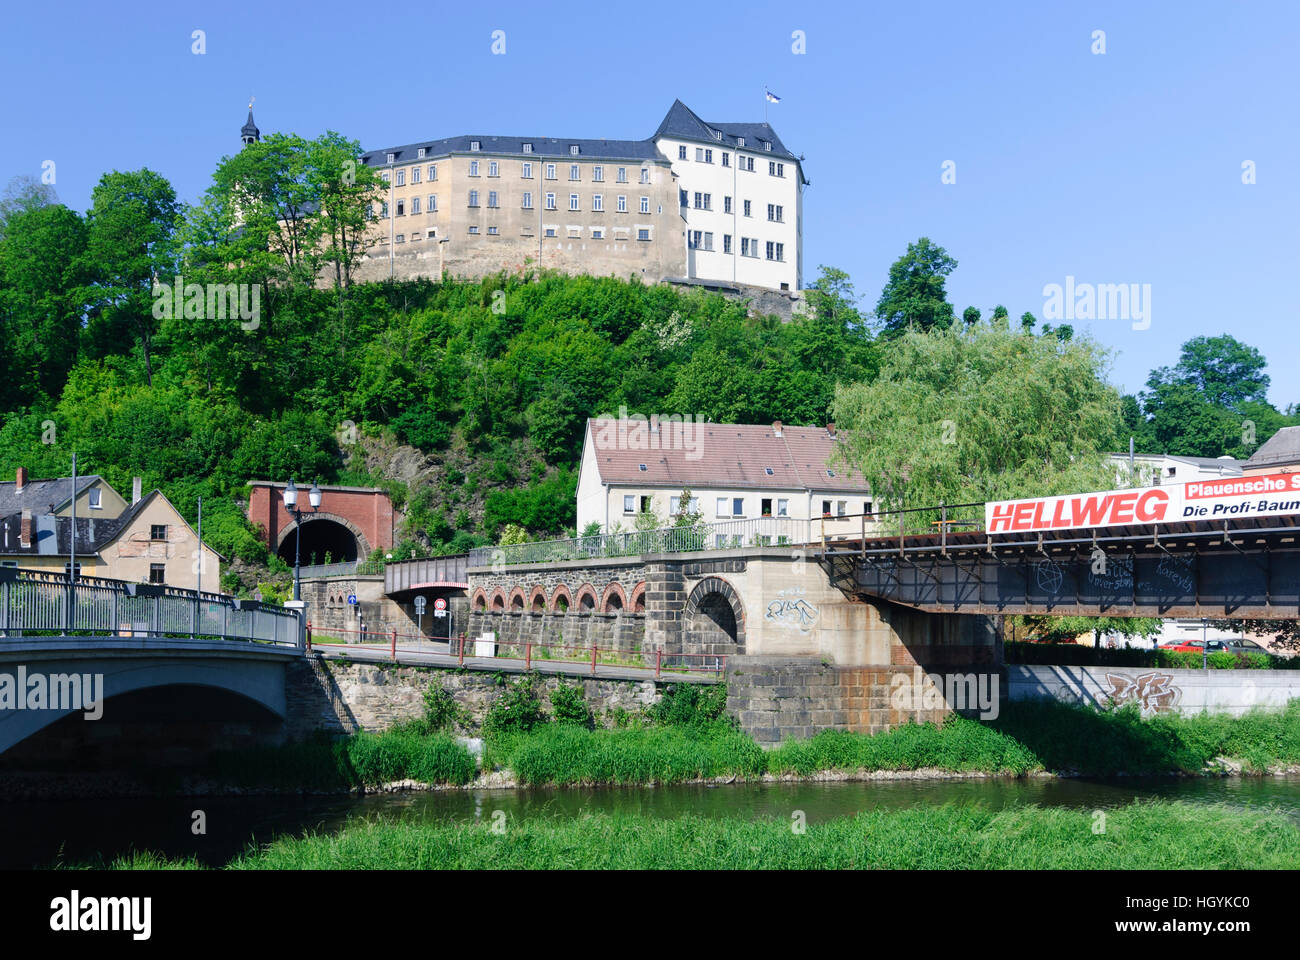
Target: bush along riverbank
(1174,835)
(687,737)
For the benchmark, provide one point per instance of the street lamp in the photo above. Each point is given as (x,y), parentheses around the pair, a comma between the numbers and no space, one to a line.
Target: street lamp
(291,505)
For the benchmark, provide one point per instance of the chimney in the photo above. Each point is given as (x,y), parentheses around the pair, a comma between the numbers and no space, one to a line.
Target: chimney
(136,490)
(22,480)
(25,538)
(830,429)
(776,427)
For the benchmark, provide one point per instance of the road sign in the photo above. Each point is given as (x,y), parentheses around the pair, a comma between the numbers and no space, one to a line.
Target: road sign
(352,599)
(419,604)
(440,604)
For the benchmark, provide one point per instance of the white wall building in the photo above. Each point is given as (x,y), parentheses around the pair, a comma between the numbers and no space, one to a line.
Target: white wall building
(1154,469)
(741,194)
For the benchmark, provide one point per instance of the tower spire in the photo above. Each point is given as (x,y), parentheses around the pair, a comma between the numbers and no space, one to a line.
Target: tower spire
(249,132)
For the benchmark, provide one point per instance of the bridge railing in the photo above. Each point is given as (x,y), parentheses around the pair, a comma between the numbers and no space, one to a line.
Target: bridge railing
(345,568)
(692,538)
(34,604)
(838,532)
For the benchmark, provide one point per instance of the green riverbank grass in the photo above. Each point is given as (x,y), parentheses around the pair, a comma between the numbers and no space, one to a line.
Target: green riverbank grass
(1151,835)
(361,760)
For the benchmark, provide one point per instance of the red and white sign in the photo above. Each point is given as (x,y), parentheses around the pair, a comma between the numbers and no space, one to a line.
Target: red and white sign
(440,603)
(1218,499)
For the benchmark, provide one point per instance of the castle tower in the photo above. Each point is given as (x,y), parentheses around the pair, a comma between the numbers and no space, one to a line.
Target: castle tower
(249,132)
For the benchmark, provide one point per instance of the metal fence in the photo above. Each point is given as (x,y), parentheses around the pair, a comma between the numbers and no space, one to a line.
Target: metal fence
(46,604)
(726,535)
(346,568)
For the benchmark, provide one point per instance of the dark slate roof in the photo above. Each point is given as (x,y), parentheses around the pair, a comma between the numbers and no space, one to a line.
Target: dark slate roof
(53,533)
(249,129)
(1283,447)
(547,147)
(680,122)
(40,496)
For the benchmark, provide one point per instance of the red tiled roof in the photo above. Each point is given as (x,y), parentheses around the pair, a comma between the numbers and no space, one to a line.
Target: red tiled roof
(719,455)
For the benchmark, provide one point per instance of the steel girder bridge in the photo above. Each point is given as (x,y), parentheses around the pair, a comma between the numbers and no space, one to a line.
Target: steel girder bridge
(1242,568)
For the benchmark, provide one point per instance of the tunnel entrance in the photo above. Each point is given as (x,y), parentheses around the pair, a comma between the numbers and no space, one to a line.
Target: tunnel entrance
(323,541)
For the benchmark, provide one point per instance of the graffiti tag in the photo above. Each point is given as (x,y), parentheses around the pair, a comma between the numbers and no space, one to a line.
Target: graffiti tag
(1154,692)
(794,612)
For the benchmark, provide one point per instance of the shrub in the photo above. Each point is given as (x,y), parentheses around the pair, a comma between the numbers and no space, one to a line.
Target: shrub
(690,703)
(517,710)
(569,706)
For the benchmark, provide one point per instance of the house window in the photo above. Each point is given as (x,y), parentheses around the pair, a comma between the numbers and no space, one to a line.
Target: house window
(726,204)
(415,175)
(681,153)
(598,202)
(550,171)
(415,205)
(775,169)
(622,204)
(765,506)
(703,155)
(573,171)
(726,159)
(400,238)
(473,168)
(392,157)
(383,209)
(573,150)
(826,508)
(622,174)
(528,148)
(401,208)
(433,203)
(629,503)
(473,144)
(492,199)
(747,208)
(94,497)
(157,573)
(740,141)
(842,508)
(433,171)
(866,507)
(726,243)
(738,506)
(474,229)
(771,250)
(550,231)
(473,198)
(401,178)
(724,507)
(645,204)
(645,175)
(67,570)
(573,201)
(780,252)
(598,173)
(643,233)
(528,200)
(598,233)
(158,531)
(550,201)
(646,504)
(492,231)
(420,153)
(783,508)
(526,170)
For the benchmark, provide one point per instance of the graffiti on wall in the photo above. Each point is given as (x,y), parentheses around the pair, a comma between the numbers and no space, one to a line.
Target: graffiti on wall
(791,610)
(1153,692)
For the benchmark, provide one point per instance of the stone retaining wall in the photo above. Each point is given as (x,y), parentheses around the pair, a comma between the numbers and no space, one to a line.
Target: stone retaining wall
(1155,689)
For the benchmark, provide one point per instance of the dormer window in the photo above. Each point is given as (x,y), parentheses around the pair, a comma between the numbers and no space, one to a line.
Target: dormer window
(830,473)
(641,467)
(740,141)
(528,148)
(573,150)
(474,144)
(392,157)
(767,146)
(769,471)
(421,153)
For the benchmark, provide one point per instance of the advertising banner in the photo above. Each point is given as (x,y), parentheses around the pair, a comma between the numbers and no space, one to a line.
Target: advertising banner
(1222,498)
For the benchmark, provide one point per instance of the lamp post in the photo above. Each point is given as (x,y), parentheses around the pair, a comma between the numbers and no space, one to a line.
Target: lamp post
(291,505)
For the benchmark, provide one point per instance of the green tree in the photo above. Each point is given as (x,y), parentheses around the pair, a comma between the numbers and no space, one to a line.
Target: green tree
(915,296)
(984,415)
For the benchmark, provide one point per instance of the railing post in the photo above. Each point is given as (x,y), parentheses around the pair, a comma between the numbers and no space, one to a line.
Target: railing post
(4,608)
(528,655)
(394,647)
(462,649)
(659,661)
(225,615)
(157,615)
(593,659)
(308,635)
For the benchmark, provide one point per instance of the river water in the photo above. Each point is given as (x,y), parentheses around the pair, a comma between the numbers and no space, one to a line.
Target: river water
(40,834)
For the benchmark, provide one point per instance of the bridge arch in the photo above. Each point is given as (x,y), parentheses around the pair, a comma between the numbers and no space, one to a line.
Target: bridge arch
(586,601)
(561,600)
(517,600)
(614,599)
(537,600)
(479,601)
(714,619)
(498,600)
(324,532)
(637,601)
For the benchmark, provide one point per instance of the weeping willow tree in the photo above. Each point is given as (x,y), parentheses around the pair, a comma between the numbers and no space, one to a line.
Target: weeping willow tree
(982,413)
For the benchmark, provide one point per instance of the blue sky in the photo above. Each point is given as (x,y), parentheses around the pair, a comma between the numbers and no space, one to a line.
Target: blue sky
(1124,167)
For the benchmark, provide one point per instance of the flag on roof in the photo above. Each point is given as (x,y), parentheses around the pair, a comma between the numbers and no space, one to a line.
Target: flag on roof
(772,97)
